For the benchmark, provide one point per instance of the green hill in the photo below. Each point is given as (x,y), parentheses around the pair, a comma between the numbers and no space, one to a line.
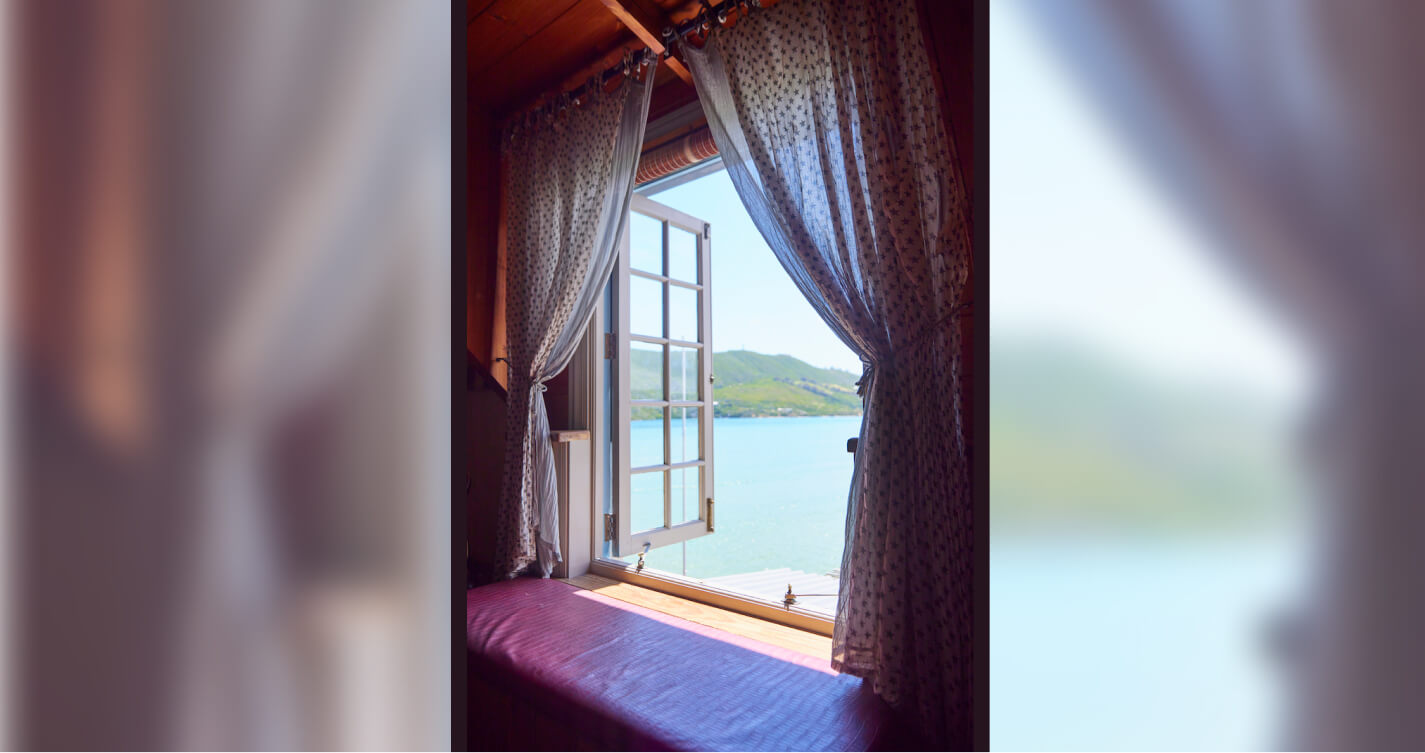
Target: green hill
(756,384)
(1076,441)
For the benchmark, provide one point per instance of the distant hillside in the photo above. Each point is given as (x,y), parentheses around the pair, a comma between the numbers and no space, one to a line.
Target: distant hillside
(756,384)
(744,366)
(1076,440)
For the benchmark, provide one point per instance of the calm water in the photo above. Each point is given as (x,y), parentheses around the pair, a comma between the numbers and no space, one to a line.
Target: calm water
(780,495)
(1116,643)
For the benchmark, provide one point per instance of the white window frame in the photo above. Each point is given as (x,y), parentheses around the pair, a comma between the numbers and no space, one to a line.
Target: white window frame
(628,540)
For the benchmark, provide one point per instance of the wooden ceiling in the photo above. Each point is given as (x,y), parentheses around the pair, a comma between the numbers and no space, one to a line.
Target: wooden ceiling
(518,50)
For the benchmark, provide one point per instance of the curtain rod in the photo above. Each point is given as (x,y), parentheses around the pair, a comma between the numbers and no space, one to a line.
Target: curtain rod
(704,19)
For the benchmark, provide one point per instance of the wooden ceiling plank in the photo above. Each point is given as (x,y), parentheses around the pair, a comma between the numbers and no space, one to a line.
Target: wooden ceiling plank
(647,23)
(545,60)
(506,25)
(474,8)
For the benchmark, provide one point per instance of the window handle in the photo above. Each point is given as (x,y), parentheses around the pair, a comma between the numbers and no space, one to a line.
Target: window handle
(639,569)
(791,598)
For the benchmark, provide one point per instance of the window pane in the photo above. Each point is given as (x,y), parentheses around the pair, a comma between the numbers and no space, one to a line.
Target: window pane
(645,243)
(683,373)
(685,494)
(683,435)
(645,439)
(646,501)
(682,254)
(645,306)
(645,375)
(683,314)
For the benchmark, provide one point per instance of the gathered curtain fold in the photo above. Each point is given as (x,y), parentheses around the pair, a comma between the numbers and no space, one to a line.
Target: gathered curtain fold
(568,180)
(827,120)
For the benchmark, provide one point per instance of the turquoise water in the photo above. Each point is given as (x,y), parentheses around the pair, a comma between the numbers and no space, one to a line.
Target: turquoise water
(780,487)
(1137,643)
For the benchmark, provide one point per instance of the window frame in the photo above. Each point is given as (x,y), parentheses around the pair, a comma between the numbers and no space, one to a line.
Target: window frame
(629,541)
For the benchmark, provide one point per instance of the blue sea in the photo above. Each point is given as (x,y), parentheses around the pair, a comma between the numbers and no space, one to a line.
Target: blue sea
(780,488)
(1138,643)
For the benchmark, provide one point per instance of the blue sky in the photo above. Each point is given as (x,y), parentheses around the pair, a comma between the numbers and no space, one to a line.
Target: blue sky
(755,305)
(1085,247)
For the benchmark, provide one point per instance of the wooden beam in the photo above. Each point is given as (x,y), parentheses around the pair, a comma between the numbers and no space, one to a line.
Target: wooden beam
(647,23)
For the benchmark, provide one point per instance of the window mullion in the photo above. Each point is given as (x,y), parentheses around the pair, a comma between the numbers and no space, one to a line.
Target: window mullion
(667,387)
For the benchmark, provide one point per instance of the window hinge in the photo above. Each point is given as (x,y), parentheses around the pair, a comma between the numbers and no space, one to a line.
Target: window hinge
(710,514)
(610,526)
(707,230)
(610,343)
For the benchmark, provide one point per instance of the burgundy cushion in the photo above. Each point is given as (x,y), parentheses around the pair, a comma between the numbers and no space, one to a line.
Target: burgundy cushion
(620,675)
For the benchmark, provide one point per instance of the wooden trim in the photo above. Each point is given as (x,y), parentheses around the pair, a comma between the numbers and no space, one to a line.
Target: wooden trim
(568,435)
(815,645)
(499,339)
(692,590)
(648,24)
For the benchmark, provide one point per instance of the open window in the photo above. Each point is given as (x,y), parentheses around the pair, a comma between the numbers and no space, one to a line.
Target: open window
(662,344)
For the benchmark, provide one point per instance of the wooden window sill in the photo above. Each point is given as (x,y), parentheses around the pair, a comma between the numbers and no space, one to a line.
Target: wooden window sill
(784,636)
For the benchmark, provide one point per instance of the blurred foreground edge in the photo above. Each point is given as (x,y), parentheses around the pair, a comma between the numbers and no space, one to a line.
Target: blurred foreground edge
(1290,133)
(227,346)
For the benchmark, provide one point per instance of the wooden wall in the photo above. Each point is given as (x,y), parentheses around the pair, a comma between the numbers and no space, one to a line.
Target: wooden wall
(484,337)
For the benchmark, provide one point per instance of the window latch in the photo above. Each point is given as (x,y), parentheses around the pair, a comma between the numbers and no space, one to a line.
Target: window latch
(791,598)
(639,569)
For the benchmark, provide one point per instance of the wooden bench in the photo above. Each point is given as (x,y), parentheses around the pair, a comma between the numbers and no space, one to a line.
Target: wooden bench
(556,667)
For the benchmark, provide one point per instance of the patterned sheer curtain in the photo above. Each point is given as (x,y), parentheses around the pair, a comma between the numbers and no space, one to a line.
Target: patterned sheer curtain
(568,180)
(826,117)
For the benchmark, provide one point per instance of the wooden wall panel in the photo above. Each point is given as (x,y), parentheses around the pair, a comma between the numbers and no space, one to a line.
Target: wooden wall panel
(949,30)
(505,25)
(481,217)
(584,32)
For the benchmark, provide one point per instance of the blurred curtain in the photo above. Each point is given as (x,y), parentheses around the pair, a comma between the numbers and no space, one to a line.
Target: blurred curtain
(1290,132)
(827,118)
(568,178)
(231,509)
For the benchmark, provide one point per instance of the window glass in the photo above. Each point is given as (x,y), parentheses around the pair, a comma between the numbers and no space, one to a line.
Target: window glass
(646,500)
(682,254)
(683,313)
(645,375)
(683,435)
(685,494)
(683,371)
(645,439)
(645,243)
(645,307)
